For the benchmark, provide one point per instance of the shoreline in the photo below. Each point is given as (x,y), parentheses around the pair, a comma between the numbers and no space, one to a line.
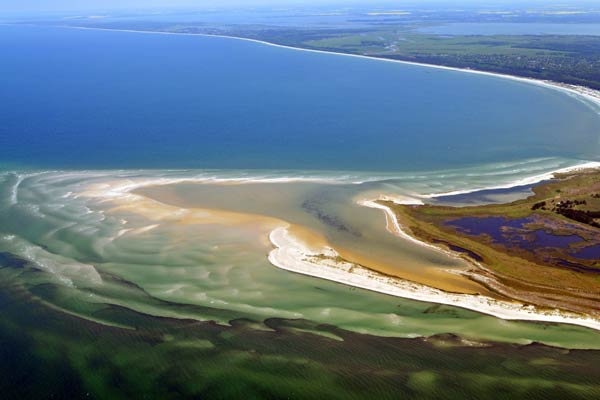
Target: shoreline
(121,185)
(291,255)
(139,178)
(582,92)
(532,180)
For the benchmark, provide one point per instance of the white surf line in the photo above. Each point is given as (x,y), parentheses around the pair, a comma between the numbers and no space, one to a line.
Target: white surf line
(124,186)
(14,193)
(292,255)
(580,91)
(521,182)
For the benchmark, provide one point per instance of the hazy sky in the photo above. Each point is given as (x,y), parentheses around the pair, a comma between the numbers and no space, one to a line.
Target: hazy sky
(83,5)
(62,5)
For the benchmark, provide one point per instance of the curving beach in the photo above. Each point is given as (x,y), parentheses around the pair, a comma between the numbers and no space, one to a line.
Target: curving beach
(579,91)
(292,255)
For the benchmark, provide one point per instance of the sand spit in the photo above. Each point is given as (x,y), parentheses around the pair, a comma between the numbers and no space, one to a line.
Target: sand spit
(292,255)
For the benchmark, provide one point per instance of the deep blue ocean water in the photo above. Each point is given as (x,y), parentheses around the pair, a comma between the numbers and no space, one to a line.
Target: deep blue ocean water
(96,99)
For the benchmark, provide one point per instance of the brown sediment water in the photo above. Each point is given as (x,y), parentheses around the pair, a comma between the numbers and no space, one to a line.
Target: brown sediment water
(429,275)
(167,210)
(320,216)
(313,240)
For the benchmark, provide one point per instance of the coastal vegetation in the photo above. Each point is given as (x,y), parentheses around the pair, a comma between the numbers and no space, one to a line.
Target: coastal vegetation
(568,59)
(543,250)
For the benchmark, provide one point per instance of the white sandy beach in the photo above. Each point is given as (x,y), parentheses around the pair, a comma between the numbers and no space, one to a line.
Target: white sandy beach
(292,255)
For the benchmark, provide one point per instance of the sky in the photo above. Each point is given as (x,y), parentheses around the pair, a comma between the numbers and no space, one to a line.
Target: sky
(73,5)
(32,6)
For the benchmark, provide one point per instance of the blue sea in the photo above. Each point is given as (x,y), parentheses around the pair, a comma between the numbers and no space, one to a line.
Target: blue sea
(98,99)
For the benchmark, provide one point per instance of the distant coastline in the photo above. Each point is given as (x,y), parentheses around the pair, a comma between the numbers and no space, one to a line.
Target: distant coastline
(582,92)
